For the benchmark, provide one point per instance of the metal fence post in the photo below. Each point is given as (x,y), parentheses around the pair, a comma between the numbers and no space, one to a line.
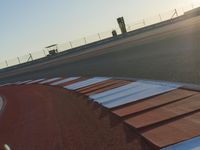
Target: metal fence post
(85,40)
(183,10)
(176,12)
(70,43)
(99,36)
(160,17)
(6,63)
(30,57)
(44,53)
(144,22)
(18,60)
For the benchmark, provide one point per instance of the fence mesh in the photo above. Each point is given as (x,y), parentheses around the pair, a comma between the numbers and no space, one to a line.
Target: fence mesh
(25,58)
(78,42)
(135,26)
(13,61)
(3,64)
(105,35)
(93,38)
(64,46)
(38,54)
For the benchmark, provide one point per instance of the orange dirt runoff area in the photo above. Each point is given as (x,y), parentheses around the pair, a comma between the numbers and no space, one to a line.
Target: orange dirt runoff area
(38,117)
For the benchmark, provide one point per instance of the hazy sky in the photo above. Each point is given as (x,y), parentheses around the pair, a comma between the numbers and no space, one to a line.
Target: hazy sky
(30,25)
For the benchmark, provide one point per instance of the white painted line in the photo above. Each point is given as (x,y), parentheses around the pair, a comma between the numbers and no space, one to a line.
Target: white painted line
(35,81)
(26,81)
(1,103)
(6,147)
(137,87)
(6,84)
(85,83)
(115,90)
(64,80)
(18,82)
(50,80)
(138,96)
(23,82)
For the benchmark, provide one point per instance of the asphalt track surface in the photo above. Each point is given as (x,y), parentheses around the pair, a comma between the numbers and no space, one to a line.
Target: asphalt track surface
(51,118)
(168,53)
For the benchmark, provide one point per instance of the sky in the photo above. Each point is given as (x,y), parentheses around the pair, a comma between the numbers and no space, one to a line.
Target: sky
(30,25)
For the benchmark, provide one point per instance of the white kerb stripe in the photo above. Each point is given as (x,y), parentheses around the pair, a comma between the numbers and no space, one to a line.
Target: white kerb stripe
(5,84)
(115,90)
(64,80)
(85,83)
(23,82)
(35,81)
(17,83)
(135,89)
(137,96)
(50,80)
